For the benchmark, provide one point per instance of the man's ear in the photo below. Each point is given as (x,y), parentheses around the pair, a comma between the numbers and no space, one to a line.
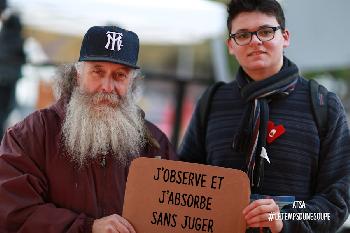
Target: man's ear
(230,46)
(286,37)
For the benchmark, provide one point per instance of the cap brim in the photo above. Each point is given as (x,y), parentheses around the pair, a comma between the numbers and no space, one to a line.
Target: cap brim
(107,59)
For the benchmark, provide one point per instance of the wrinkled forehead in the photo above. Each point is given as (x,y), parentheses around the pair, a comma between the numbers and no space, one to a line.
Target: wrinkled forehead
(108,66)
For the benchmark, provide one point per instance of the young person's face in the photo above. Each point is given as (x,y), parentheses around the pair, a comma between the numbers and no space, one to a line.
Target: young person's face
(259,59)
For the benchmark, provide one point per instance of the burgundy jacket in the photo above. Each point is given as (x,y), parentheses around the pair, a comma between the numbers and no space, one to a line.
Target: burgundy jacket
(41,190)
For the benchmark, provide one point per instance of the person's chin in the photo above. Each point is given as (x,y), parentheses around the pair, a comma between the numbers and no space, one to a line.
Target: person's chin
(102,109)
(257,64)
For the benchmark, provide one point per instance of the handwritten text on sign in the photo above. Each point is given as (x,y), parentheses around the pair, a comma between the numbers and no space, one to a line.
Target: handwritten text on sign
(172,196)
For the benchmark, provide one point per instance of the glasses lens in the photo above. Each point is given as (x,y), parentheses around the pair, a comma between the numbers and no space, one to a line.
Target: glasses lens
(266,34)
(242,38)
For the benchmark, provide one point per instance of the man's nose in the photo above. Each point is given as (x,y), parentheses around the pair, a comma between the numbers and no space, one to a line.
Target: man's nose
(255,39)
(107,85)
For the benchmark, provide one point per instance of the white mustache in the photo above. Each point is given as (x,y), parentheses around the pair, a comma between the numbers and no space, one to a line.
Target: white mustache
(102,97)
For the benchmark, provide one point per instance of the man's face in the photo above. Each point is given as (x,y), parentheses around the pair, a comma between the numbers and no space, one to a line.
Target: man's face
(258,59)
(105,77)
(102,116)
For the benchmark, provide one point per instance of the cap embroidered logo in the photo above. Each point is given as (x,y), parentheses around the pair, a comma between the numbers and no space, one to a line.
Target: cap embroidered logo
(110,44)
(114,37)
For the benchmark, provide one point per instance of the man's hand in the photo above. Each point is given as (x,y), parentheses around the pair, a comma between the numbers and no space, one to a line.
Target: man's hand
(112,224)
(257,215)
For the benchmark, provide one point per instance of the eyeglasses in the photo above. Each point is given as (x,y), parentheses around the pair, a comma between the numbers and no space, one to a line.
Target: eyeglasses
(263,34)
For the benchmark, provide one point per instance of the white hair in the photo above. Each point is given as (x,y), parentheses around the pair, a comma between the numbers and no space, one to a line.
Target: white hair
(90,129)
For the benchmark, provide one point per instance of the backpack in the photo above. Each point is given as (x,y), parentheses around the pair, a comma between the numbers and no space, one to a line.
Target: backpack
(318,94)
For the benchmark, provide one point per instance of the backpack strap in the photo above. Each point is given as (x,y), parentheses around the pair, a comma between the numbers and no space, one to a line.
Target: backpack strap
(204,107)
(319,102)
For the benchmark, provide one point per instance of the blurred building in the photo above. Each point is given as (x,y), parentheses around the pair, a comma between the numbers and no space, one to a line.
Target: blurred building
(319,33)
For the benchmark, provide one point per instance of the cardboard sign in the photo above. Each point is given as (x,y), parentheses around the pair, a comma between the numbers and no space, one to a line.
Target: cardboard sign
(171,196)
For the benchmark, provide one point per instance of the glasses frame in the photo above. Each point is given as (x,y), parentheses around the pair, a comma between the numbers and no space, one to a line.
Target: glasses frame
(233,35)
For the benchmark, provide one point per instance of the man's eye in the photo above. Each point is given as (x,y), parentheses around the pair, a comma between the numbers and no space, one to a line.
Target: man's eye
(120,75)
(243,35)
(265,32)
(97,71)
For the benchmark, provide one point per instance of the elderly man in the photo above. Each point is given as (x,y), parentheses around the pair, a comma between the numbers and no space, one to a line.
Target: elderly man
(64,168)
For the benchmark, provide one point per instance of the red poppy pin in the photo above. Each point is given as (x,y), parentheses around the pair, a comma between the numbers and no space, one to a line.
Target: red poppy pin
(274,131)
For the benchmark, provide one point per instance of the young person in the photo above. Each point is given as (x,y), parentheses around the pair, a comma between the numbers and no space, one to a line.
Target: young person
(263,124)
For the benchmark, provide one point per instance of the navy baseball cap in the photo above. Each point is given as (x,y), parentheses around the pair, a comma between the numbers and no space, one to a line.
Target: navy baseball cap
(110,44)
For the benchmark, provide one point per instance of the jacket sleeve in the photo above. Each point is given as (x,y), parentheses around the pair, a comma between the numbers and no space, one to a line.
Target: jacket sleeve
(333,178)
(25,203)
(192,148)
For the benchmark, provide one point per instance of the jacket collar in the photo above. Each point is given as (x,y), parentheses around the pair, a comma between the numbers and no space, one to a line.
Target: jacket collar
(60,107)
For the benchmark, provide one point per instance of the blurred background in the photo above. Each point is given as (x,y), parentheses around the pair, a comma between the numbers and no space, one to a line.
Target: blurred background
(182,50)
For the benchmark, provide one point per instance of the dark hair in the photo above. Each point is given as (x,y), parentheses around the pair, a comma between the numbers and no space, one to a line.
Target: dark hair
(269,7)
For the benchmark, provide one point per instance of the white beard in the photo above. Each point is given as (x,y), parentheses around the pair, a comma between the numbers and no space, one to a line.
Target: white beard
(92,128)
